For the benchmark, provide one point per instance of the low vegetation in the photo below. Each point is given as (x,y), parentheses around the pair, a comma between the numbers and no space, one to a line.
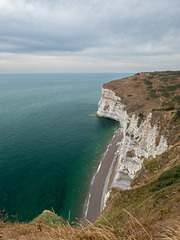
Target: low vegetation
(50,219)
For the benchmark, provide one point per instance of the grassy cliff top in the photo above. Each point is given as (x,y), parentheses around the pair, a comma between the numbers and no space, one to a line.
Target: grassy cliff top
(145,92)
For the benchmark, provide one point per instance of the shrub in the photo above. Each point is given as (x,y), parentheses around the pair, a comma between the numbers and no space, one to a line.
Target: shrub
(164,79)
(168,106)
(148,82)
(172,88)
(177,99)
(165,94)
(177,115)
(141,115)
(152,94)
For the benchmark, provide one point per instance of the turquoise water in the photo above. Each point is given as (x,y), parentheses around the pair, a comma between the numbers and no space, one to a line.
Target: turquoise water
(50,142)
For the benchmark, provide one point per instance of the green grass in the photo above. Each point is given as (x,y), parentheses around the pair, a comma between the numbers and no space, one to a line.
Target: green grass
(149,87)
(173,78)
(164,79)
(175,73)
(50,219)
(168,106)
(165,94)
(152,94)
(147,82)
(168,178)
(177,115)
(176,99)
(172,87)
(152,165)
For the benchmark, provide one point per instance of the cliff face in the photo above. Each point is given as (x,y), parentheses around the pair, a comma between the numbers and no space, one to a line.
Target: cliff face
(139,135)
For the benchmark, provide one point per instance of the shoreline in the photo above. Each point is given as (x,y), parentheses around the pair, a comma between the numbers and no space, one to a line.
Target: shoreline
(101,180)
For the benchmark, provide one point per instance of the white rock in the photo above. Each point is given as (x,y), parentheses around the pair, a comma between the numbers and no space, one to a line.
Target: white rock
(138,143)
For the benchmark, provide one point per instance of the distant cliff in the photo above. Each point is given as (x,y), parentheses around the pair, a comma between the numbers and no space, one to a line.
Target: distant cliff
(145,105)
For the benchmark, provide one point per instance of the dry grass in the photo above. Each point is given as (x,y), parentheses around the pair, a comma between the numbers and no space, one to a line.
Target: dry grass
(20,231)
(31,232)
(171,233)
(136,231)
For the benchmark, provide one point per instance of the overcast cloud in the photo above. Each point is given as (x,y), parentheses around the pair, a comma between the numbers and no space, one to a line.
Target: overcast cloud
(89,36)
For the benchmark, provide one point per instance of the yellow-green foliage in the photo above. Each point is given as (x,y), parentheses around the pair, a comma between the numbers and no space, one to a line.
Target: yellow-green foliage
(50,219)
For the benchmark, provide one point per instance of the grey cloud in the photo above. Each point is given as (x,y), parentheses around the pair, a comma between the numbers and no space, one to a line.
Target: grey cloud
(77,25)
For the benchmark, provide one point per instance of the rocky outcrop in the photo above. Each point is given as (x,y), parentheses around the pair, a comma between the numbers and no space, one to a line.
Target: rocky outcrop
(139,135)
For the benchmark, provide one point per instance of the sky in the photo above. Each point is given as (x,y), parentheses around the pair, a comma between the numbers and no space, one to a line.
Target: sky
(39,36)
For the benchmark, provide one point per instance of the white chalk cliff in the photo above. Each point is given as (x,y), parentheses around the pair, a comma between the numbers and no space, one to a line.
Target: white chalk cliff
(139,136)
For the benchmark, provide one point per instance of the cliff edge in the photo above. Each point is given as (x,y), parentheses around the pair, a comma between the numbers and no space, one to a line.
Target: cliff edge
(146,105)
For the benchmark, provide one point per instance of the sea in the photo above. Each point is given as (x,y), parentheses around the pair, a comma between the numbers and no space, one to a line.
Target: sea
(51,142)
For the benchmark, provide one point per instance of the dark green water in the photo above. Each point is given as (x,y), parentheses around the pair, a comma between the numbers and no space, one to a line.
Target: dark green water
(50,143)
